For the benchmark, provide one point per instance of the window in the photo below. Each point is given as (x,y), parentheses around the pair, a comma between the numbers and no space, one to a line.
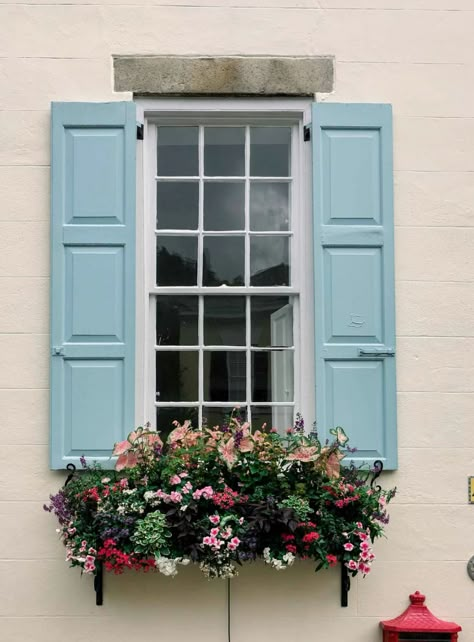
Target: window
(240,246)
(228,292)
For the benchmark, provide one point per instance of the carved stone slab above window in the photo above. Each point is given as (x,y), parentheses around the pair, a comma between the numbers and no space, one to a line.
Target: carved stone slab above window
(224,75)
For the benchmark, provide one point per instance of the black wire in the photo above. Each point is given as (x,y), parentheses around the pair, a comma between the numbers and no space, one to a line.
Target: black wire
(228,609)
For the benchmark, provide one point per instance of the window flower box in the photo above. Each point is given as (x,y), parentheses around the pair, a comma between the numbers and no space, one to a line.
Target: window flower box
(220,496)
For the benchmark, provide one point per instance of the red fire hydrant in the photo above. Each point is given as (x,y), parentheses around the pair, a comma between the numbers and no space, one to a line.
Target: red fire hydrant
(418,623)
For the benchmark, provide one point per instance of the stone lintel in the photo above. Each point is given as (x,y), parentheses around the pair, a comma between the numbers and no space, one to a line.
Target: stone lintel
(224,75)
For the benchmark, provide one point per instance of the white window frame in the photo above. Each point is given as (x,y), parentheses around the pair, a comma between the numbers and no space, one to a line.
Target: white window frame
(296,111)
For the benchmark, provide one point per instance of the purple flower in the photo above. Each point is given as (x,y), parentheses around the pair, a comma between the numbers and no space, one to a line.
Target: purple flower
(59,506)
(82,459)
(299,422)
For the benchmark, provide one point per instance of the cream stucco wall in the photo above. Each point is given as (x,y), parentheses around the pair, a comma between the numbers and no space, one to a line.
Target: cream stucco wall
(417,54)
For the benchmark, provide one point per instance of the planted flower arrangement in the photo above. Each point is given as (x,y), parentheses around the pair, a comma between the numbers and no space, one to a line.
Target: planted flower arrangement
(218,497)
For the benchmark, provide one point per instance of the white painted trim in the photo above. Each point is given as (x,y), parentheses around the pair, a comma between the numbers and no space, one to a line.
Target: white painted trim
(287,111)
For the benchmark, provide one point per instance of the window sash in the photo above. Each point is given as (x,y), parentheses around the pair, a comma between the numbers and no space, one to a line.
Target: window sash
(302,327)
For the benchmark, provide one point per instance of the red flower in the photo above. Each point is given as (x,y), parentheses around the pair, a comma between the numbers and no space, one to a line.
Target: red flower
(286,537)
(310,537)
(332,559)
(291,548)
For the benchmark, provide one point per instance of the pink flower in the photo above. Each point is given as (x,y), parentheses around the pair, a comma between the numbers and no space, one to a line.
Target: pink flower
(179,432)
(187,488)
(352,565)
(241,520)
(227,452)
(365,546)
(226,533)
(214,519)
(339,503)
(183,475)
(333,467)
(206,540)
(231,546)
(175,496)
(127,460)
(304,454)
(176,479)
(359,524)
(332,559)
(71,531)
(214,532)
(235,541)
(348,546)
(362,536)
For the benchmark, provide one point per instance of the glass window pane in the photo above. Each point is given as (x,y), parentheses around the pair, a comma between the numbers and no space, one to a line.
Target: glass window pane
(224,262)
(269,260)
(177,205)
(271,321)
(269,207)
(224,320)
(224,206)
(177,376)
(176,320)
(166,415)
(272,375)
(213,416)
(279,417)
(224,151)
(224,376)
(270,151)
(176,260)
(178,151)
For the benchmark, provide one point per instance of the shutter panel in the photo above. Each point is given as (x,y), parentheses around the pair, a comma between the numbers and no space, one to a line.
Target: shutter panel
(92,279)
(354,277)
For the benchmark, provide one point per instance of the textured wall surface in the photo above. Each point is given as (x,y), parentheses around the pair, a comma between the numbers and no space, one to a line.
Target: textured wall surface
(417,54)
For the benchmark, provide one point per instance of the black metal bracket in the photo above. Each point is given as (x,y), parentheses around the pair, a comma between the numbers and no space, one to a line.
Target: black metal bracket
(306,133)
(72,470)
(140,132)
(99,584)
(99,576)
(345,584)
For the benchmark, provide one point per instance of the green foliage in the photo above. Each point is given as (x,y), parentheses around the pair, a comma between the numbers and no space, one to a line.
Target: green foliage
(151,535)
(299,505)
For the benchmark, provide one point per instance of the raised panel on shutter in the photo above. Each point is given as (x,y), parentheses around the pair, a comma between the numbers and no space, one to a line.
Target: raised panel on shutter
(354,279)
(93,279)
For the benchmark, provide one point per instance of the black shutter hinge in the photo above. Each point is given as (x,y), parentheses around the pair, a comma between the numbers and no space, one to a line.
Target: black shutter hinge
(139,132)
(306,133)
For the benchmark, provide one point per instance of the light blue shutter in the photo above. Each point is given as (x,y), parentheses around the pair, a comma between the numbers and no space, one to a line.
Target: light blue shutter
(354,278)
(92,279)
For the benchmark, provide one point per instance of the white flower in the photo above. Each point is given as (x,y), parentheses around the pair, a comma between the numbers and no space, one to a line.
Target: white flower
(105,480)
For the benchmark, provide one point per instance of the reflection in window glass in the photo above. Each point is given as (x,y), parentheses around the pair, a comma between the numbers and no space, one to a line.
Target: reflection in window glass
(178,151)
(177,376)
(269,151)
(271,321)
(279,417)
(224,151)
(224,206)
(269,260)
(225,375)
(217,416)
(165,415)
(269,207)
(272,375)
(176,320)
(224,320)
(176,260)
(223,261)
(177,205)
